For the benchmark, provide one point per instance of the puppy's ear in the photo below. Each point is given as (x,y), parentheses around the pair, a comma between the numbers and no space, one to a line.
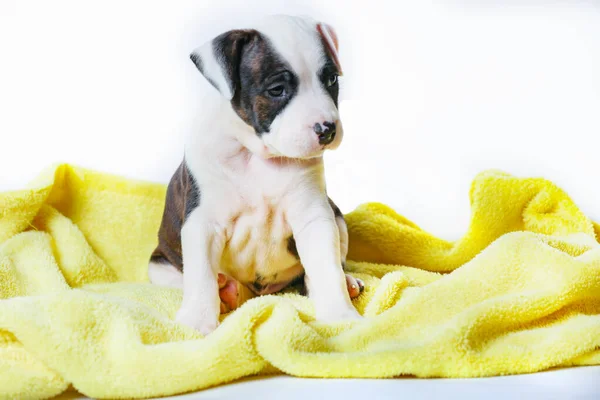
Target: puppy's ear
(219,60)
(330,40)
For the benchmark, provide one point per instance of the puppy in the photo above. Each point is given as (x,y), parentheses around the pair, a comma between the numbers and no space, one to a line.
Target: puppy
(247,211)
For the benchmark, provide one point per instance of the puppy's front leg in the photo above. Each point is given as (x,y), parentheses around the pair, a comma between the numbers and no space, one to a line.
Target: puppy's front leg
(200,308)
(317,240)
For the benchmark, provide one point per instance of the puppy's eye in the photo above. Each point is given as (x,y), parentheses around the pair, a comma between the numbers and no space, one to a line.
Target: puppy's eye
(332,80)
(276,91)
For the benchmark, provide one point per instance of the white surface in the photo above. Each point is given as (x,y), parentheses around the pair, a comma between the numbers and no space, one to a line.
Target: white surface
(571,384)
(566,384)
(432,95)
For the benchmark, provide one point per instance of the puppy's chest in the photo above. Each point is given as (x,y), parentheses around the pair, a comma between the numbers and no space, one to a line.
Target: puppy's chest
(258,242)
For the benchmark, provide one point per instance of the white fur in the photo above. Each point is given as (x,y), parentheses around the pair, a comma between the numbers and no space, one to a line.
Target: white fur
(252,201)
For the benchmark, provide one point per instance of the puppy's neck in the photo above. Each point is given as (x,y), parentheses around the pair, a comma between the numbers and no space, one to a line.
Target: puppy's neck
(238,156)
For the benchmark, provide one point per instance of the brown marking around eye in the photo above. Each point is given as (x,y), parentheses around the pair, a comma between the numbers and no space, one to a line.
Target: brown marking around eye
(258,61)
(261,107)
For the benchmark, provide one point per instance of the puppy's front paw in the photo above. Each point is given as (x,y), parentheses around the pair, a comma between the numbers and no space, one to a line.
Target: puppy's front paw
(197,320)
(355,286)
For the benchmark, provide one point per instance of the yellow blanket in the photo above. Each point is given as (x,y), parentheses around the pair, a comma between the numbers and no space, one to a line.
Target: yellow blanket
(520,292)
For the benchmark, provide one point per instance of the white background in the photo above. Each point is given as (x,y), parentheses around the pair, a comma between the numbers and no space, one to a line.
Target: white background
(432,93)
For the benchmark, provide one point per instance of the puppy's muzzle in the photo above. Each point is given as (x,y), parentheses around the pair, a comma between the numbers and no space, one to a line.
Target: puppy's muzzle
(325,132)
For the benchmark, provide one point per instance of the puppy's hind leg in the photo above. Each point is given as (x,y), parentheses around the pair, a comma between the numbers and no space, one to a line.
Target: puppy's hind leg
(163,273)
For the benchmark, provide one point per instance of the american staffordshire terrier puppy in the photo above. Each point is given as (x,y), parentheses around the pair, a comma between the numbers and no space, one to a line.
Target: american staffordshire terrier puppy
(247,211)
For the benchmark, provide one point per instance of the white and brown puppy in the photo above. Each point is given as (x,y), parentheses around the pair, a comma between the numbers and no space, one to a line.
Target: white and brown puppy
(247,210)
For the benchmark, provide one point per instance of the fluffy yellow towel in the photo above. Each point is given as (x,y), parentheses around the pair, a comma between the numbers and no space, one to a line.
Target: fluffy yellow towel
(520,292)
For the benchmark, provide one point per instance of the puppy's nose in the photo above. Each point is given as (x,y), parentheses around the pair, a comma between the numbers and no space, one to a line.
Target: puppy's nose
(325,132)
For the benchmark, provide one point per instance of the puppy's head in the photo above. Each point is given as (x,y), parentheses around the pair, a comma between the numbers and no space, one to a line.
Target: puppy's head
(282,81)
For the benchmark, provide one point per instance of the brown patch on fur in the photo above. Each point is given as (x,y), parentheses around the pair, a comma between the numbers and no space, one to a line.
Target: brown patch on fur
(259,50)
(229,47)
(182,198)
(256,48)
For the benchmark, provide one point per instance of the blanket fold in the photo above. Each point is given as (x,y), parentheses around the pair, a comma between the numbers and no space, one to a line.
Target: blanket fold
(518,293)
